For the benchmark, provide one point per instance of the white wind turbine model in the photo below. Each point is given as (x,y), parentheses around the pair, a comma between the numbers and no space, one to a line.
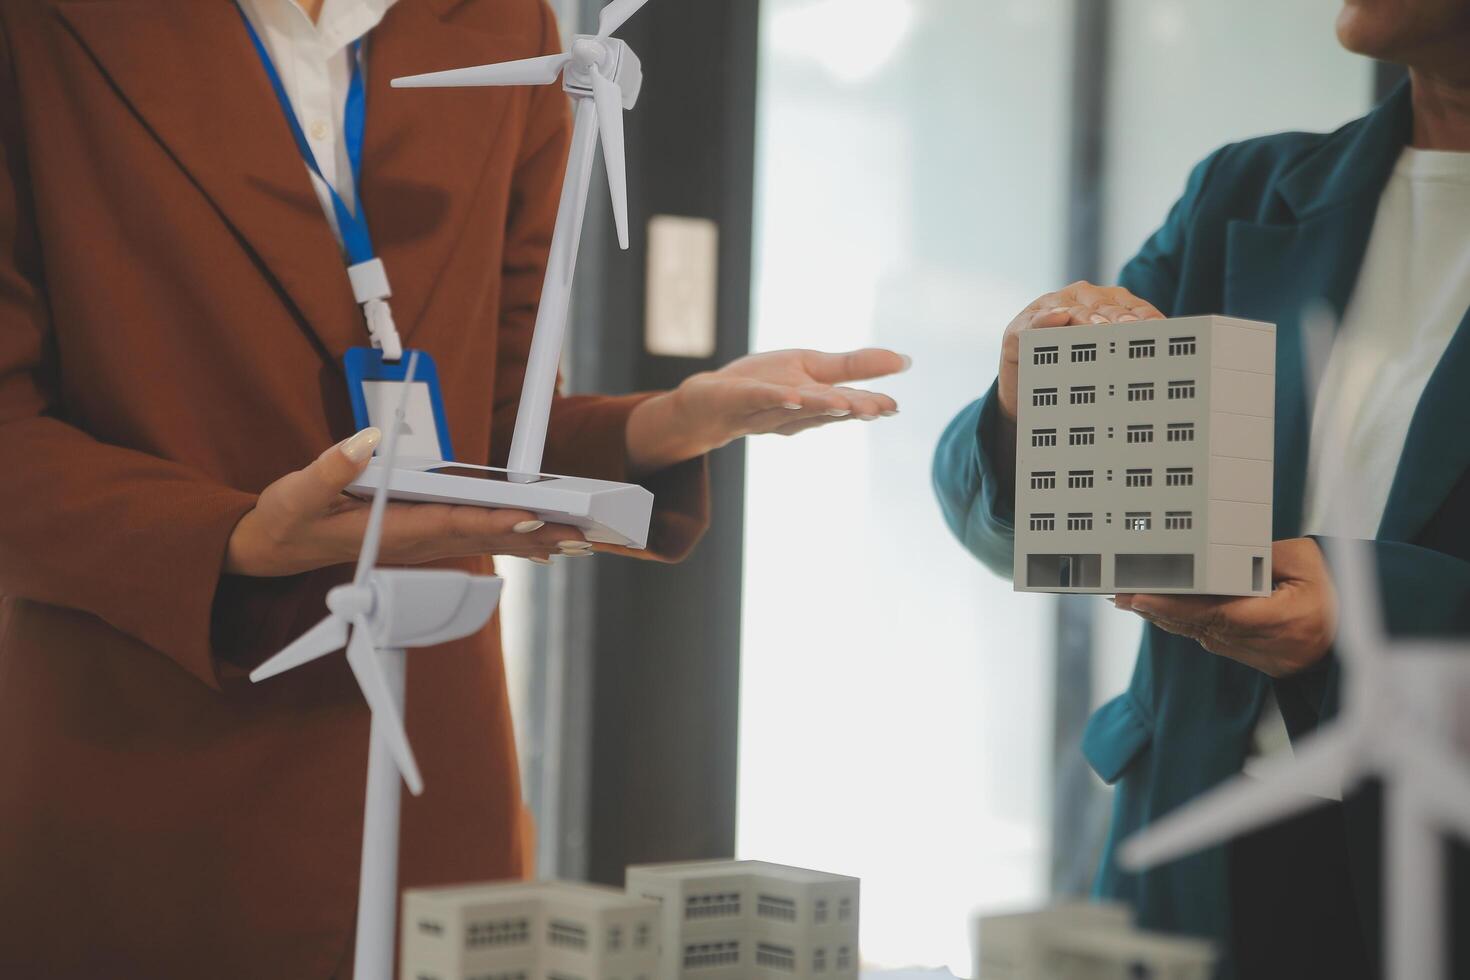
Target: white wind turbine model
(387,611)
(1402,721)
(604,77)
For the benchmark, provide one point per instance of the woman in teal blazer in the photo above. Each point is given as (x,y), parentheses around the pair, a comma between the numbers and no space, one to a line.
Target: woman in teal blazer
(1265,229)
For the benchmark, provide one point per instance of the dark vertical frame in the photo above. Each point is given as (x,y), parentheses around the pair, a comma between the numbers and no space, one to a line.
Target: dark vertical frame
(1079,806)
(649,659)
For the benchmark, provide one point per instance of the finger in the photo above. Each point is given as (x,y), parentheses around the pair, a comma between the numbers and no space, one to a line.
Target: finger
(805,425)
(317,489)
(866,405)
(752,396)
(1113,313)
(857,365)
(1079,315)
(819,400)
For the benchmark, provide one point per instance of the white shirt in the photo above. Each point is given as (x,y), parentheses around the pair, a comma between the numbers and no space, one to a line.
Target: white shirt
(315,66)
(1412,292)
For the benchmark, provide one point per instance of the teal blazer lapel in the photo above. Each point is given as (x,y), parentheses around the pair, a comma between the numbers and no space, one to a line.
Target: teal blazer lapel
(1305,250)
(1437,450)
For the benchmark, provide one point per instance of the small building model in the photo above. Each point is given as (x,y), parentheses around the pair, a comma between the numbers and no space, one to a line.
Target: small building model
(748,920)
(528,931)
(1144,457)
(1084,941)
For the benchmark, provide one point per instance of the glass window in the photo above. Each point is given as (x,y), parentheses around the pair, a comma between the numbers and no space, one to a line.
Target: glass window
(886,102)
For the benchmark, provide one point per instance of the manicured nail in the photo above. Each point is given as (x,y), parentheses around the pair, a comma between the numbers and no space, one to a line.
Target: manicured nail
(579,554)
(541,561)
(908,362)
(526,527)
(361,446)
(868,418)
(838,413)
(890,414)
(574,545)
(1060,309)
(1127,318)
(1099,318)
(792,406)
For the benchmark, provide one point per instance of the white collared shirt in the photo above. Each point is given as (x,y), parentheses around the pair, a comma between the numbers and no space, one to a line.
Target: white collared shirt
(315,66)
(1413,291)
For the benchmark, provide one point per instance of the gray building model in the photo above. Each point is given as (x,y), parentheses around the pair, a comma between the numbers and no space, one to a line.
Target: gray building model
(1144,457)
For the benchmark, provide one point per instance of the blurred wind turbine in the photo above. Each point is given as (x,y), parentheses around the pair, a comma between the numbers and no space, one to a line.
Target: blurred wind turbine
(387,611)
(604,77)
(1403,701)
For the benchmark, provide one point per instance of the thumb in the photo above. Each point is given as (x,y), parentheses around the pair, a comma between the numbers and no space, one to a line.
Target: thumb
(317,487)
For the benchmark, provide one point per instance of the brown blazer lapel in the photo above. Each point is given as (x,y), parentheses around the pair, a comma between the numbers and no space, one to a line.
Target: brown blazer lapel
(428,150)
(189,73)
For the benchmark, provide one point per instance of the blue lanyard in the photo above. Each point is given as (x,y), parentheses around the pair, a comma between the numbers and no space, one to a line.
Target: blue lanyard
(354,227)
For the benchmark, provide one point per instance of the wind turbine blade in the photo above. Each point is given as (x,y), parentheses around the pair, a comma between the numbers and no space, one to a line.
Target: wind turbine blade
(1243,804)
(371,537)
(609,99)
(616,14)
(362,657)
(531,71)
(325,637)
(1443,785)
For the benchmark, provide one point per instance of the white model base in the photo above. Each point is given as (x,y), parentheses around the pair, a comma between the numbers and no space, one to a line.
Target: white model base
(606,512)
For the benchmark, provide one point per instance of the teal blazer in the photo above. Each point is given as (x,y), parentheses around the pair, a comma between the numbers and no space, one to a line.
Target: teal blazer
(1265,229)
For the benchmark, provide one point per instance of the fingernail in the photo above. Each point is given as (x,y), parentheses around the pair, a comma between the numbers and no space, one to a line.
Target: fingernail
(526,527)
(792,406)
(1059,309)
(868,418)
(839,413)
(541,561)
(1099,318)
(889,415)
(908,362)
(1127,318)
(574,545)
(361,446)
(578,554)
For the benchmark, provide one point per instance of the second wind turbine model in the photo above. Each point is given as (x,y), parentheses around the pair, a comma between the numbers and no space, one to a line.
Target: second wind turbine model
(377,616)
(604,77)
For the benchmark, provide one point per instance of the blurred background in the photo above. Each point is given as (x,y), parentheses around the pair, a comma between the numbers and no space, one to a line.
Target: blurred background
(831,681)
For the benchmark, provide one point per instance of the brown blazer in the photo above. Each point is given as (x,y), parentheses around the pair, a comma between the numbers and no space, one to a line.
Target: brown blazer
(173,314)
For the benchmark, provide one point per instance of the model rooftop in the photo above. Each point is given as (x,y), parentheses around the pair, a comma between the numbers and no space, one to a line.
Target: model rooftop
(778,872)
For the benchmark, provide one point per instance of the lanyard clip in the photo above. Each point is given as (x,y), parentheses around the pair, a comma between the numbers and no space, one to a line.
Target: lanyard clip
(370,287)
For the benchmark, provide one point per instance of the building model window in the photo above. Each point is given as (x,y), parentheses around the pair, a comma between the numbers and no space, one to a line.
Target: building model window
(508,932)
(1084,353)
(698,955)
(1043,437)
(1041,522)
(1179,476)
(819,911)
(641,936)
(1141,348)
(1083,395)
(772,907)
(1181,346)
(1178,520)
(844,910)
(566,934)
(1080,480)
(1042,397)
(776,957)
(713,906)
(1138,521)
(819,960)
(1079,522)
(614,938)
(844,958)
(1082,436)
(1180,390)
(1141,392)
(1181,432)
(1046,480)
(1138,478)
(1045,355)
(1140,433)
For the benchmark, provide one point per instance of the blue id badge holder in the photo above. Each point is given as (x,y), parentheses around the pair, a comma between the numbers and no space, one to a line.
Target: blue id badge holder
(375,385)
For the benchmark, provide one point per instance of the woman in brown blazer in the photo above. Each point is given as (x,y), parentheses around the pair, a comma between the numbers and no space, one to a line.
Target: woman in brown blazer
(173,315)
